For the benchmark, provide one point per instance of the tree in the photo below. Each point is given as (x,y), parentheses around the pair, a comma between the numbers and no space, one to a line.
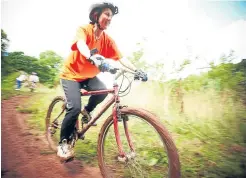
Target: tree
(136,59)
(179,87)
(4,41)
(5,66)
(50,59)
(157,71)
(47,66)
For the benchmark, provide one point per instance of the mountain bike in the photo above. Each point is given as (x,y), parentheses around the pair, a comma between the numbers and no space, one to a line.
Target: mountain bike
(132,142)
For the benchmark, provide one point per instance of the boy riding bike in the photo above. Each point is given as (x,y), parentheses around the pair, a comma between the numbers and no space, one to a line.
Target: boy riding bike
(82,66)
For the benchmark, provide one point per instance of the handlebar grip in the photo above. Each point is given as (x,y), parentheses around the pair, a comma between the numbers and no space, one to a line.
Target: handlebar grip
(141,76)
(113,70)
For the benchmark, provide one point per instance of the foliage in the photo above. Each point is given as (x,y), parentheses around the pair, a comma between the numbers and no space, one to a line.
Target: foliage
(242,89)
(53,62)
(155,70)
(47,67)
(221,77)
(4,41)
(8,86)
(136,59)
(181,67)
(226,76)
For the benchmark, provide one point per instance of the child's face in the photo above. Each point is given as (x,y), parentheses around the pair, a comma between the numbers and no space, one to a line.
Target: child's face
(105,18)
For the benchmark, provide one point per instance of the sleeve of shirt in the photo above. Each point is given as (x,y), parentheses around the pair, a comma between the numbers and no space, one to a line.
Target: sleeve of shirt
(113,51)
(81,34)
(37,79)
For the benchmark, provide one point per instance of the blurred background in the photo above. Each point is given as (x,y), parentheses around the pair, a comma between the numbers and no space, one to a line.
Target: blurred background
(193,51)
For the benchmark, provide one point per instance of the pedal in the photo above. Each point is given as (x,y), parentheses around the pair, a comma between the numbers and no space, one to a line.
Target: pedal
(84,120)
(52,130)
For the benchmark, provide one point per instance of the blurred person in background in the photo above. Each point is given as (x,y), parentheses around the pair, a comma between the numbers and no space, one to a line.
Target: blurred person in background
(33,80)
(20,80)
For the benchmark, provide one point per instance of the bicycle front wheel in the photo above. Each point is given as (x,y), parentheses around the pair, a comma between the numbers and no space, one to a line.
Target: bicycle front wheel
(155,154)
(53,121)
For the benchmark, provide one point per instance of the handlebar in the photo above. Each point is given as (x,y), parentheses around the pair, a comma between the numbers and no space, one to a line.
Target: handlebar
(105,67)
(138,75)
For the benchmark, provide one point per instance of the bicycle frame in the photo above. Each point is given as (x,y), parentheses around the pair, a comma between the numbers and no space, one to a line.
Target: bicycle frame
(114,99)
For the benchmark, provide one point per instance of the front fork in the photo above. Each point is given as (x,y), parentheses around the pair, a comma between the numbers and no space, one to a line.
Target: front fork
(117,118)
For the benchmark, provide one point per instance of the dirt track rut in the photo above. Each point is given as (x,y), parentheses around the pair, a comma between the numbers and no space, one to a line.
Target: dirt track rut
(24,153)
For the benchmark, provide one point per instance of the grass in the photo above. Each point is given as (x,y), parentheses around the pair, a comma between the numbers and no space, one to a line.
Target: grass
(205,134)
(8,86)
(210,135)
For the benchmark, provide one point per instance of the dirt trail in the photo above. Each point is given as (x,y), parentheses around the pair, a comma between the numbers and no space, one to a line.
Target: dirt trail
(22,150)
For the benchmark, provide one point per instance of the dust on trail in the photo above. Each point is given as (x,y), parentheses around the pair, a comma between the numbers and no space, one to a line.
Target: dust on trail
(25,154)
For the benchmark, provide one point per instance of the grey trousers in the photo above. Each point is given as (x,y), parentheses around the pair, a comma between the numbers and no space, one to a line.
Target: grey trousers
(73,99)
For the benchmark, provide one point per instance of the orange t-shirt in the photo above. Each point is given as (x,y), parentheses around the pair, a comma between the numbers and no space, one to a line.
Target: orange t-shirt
(77,67)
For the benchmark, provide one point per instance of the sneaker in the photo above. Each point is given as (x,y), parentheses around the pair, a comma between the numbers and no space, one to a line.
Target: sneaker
(65,151)
(86,117)
(17,89)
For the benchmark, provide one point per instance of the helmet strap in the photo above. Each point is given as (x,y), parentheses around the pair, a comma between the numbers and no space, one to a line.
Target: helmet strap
(98,26)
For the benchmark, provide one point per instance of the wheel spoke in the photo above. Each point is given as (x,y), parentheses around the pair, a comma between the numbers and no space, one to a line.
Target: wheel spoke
(56,115)
(59,116)
(149,147)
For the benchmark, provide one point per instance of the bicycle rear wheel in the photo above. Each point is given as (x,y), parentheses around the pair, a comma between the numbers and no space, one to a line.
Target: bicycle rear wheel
(54,118)
(155,153)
